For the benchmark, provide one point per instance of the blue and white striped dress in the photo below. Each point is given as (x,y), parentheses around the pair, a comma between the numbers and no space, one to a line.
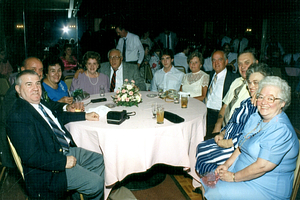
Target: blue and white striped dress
(209,155)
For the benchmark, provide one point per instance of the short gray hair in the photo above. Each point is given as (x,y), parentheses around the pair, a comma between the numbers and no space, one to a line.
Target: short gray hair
(259,67)
(22,73)
(285,89)
(225,56)
(114,50)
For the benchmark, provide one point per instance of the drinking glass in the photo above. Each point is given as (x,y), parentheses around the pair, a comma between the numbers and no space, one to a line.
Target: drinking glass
(160,91)
(184,100)
(102,91)
(160,115)
(176,97)
(78,106)
(154,108)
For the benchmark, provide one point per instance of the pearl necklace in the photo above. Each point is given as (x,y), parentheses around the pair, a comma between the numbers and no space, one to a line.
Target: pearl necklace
(246,137)
(87,72)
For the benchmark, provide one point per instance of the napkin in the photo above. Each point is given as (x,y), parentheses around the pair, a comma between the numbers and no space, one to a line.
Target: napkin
(173,117)
(101,111)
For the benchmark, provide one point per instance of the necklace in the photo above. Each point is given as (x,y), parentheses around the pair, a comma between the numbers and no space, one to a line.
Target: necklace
(248,136)
(87,72)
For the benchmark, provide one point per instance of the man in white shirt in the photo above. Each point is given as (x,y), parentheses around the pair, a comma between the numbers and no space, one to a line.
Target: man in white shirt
(168,77)
(240,44)
(217,88)
(232,58)
(180,59)
(232,100)
(130,46)
(122,71)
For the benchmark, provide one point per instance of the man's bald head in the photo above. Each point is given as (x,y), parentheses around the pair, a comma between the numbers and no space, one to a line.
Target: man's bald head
(34,64)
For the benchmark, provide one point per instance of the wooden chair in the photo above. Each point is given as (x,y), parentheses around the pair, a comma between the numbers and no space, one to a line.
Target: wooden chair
(19,163)
(68,80)
(296,182)
(181,68)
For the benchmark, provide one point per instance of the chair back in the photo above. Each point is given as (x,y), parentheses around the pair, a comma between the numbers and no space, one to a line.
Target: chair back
(4,86)
(181,68)
(296,182)
(16,157)
(68,80)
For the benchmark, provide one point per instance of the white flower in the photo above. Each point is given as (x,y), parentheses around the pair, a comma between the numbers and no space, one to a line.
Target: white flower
(123,98)
(129,87)
(138,98)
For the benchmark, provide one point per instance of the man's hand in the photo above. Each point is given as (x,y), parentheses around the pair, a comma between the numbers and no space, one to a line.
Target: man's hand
(71,162)
(92,116)
(138,65)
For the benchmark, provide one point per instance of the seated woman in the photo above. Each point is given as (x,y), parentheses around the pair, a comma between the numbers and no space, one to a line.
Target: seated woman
(154,62)
(90,80)
(216,151)
(195,82)
(69,60)
(263,165)
(56,89)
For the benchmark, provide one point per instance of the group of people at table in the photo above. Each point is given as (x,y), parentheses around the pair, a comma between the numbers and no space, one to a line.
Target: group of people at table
(253,155)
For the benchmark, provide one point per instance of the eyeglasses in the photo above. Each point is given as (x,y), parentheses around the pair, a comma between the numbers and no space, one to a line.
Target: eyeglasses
(114,57)
(269,98)
(254,83)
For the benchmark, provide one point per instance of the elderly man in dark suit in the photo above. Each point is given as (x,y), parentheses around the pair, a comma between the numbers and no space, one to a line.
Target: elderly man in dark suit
(52,163)
(220,81)
(118,71)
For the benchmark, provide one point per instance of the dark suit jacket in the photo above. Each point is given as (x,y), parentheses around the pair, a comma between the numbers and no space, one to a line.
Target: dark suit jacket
(130,72)
(230,77)
(162,38)
(40,152)
(9,100)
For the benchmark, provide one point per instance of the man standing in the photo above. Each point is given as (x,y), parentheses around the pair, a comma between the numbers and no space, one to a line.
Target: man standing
(51,162)
(118,71)
(130,46)
(168,77)
(220,81)
(180,59)
(168,39)
(237,91)
(232,58)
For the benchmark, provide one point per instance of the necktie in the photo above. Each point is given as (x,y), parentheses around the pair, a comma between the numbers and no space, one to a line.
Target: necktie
(113,82)
(211,87)
(168,42)
(232,102)
(58,133)
(124,50)
(238,50)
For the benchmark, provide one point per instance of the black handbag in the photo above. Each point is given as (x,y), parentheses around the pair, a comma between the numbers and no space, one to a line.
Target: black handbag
(118,117)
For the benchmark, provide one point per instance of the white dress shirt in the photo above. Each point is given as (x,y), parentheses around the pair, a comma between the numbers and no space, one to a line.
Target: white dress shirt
(180,59)
(207,66)
(119,77)
(243,45)
(233,56)
(214,100)
(134,48)
(170,80)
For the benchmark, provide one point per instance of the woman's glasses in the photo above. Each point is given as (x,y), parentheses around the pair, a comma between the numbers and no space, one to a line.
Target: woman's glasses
(268,98)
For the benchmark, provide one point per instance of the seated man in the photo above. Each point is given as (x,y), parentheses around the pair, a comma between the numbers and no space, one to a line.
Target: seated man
(168,77)
(118,71)
(52,163)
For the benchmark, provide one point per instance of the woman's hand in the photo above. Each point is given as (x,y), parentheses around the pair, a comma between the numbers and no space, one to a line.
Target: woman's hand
(92,116)
(77,73)
(221,167)
(220,136)
(68,100)
(225,175)
(225,143)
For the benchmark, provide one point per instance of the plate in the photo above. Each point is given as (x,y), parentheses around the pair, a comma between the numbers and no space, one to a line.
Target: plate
(110,105)
(151,95)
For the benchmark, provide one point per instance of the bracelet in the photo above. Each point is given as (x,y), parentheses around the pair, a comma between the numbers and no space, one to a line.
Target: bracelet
(233,177)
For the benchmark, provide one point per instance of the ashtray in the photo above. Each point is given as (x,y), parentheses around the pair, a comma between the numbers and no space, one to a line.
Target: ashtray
(110,105)
(151,95)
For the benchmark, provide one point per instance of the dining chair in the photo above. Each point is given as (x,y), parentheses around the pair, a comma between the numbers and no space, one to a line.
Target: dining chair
(19,163)
(68,80)
(181,68)
(296,182)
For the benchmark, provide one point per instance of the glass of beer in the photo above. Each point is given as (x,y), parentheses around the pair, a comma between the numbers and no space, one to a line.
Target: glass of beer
(184,100)
(78,106)
(160,115)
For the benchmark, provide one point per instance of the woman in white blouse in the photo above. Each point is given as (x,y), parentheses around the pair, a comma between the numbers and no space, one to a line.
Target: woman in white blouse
(195,82)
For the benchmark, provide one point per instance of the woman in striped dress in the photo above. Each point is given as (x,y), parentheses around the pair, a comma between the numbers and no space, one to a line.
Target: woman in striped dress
(216,151)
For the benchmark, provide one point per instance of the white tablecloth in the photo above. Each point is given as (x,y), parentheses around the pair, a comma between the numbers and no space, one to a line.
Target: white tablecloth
(139,142)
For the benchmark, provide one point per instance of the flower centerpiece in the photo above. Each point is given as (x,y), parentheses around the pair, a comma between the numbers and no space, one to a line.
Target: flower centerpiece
(127,95)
